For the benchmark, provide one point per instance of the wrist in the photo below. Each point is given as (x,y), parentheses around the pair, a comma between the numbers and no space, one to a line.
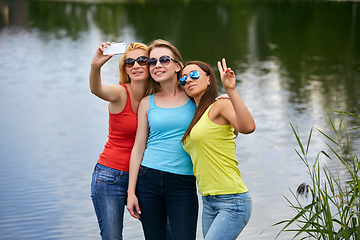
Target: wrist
(131,192)
(231,91)
(95,67)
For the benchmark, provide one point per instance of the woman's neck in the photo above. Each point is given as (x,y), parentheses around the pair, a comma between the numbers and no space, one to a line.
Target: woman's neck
(197,99)
(138,89)
(170,88)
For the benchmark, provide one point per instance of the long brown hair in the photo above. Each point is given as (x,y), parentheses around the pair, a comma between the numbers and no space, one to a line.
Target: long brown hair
(207,98)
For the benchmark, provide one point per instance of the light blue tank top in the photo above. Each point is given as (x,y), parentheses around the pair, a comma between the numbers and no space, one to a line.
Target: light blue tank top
(164,151)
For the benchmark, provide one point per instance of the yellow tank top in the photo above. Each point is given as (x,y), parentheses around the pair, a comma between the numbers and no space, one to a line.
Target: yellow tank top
(213,152)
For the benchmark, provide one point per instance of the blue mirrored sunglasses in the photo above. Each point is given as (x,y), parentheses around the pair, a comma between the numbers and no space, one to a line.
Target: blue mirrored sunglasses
(193,75)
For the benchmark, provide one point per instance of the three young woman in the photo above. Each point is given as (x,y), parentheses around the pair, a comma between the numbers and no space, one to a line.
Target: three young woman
(110,177)
(161,181)
(164,189)
(210,141)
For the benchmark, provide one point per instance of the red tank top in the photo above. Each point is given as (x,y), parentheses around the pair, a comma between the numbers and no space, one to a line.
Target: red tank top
(122,129)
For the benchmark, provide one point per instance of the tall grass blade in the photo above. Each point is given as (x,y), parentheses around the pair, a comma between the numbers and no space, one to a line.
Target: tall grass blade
(333,213)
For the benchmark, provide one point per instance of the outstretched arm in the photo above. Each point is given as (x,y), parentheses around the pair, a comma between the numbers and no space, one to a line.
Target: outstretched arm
(238,115)
(137,154)
(105,92)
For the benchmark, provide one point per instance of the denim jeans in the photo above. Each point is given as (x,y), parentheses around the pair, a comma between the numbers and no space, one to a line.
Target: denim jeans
(163,196)
(109,195)
(225,216)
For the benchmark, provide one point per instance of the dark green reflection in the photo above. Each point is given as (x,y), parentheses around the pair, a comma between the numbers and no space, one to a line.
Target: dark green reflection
(313,42)
(109,18)
(316,42)
(61,18)
(201,30)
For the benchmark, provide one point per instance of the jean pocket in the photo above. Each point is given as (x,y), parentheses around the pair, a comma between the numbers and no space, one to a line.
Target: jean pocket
(106,177)
(143,170)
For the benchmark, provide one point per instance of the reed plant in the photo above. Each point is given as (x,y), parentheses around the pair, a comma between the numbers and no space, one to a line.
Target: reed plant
(334,210)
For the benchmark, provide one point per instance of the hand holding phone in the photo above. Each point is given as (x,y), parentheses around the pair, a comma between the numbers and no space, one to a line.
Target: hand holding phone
(115,48)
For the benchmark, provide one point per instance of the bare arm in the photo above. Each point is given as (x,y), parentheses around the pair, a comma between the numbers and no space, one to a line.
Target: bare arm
(137,154)
(238,114)
(108,93)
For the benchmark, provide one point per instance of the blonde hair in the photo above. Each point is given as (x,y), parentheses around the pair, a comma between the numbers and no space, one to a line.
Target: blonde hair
(160,43)
(124,77)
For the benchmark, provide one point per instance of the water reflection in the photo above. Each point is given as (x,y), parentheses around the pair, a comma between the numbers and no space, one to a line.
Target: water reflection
(294,61)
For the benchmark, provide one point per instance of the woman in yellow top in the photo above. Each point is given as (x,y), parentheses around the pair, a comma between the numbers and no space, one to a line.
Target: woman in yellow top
(210,141)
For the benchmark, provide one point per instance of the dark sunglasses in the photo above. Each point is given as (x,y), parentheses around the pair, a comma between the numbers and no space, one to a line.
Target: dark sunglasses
(129,62)
(193,75)
(164,60)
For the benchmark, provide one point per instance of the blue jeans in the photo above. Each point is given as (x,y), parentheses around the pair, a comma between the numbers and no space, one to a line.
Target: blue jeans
(225,216)
(162,196)
(109,195)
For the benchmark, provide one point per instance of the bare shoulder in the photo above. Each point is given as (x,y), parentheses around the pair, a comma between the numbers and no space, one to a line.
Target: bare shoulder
(120,88)
(120,91)
(145,99)
(222,104)
(216,113)
(144,103)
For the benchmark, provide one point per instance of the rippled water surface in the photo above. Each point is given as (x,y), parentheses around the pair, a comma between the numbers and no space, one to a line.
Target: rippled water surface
(293,60)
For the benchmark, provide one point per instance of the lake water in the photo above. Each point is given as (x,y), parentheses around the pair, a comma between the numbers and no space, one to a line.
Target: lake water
(294,61)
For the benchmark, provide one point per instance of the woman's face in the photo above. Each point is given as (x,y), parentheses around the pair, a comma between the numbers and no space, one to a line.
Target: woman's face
(196,80)
(139,71)
(164,69)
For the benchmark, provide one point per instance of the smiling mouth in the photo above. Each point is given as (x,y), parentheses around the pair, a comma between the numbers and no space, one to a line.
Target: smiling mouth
(158,73)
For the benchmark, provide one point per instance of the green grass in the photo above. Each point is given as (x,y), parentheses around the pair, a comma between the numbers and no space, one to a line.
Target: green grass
(334,211)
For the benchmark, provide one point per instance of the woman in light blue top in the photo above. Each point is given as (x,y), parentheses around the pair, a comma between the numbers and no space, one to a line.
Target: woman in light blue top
(165,185)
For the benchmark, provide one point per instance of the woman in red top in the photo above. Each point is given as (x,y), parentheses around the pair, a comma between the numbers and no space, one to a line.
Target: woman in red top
(110,177)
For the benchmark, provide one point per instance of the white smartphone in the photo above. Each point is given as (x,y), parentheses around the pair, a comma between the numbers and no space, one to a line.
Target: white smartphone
(115,48)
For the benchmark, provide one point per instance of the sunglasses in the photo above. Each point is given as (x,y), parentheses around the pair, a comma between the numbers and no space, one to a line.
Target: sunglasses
(193,75)
(164,60)
(129,62)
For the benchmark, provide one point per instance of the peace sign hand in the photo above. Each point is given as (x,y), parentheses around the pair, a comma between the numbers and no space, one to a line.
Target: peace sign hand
(227,76)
